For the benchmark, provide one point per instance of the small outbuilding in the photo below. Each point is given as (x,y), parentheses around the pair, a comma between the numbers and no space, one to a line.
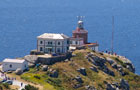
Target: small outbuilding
(14,64)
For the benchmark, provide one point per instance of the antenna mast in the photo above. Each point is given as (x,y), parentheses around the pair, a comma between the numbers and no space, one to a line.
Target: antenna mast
(112,43)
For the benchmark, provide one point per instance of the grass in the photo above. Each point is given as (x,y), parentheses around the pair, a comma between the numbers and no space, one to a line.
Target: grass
(37,79)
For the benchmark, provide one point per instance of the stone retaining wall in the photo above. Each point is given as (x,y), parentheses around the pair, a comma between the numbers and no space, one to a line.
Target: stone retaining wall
(52,60)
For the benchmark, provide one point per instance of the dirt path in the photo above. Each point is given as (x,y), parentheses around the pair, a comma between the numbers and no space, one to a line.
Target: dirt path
(26,82)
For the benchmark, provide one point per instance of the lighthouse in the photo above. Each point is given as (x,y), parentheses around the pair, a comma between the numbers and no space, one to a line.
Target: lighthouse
(80,32)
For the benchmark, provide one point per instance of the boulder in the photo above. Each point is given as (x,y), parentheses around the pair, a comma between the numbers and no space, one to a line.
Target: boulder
(45,68)
(82,71)
(110,87)
(124,84)
(130,67)
(54,74)
(18,71)
(66,60)
(90,87)
(119,66)
(73,55)
(114,65)
(31,65)
(107,71)
(89,54)
(31,58)
(77,86)
(116,84)
(79,79)
(110,61)
(98,61)
(94,69)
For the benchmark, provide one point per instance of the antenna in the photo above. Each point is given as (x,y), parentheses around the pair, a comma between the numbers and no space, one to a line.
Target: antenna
(112,42)
(80,18)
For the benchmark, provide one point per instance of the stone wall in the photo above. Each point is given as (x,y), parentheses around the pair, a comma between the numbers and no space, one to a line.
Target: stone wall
(52,60)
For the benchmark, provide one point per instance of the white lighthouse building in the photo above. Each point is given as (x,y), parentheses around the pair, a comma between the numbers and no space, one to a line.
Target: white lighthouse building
(52,43)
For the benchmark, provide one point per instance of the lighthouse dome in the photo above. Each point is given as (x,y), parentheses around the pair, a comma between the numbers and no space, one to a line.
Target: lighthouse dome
(80,22)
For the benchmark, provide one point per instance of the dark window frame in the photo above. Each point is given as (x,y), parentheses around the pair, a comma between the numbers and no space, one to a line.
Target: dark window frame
(10,65)
(59,43)
(41,49)
(41,42)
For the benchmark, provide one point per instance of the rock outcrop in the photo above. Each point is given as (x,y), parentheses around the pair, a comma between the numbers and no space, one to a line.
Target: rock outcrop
(130,67)
(124,84)
(100,63)
(53,73)
(79,79)
(44,67)
(82,71)
(86,70)
(31,58)
(18,71)
(90,88)
(110,87)
(94,69)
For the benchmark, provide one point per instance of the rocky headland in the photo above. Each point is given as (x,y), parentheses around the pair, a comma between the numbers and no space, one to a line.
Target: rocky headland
(85,70)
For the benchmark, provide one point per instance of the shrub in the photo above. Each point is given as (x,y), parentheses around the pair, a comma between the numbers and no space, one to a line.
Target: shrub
(29,87)
(37,77)
(55,82)
(6,85)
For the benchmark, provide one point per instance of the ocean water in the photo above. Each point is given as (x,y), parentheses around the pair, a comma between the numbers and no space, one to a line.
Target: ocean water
(21,21)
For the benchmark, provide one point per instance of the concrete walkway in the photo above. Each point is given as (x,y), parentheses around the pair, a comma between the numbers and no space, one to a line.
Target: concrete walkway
(15,82)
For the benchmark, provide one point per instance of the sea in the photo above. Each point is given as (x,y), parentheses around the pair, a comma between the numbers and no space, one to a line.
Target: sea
(21,21)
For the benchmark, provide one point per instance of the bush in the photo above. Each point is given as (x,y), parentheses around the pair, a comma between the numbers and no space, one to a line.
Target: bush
(55,82)
(37,77)
(29,87)
(6,85)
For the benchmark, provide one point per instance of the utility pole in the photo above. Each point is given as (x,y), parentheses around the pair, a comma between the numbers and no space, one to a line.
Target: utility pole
(112,42)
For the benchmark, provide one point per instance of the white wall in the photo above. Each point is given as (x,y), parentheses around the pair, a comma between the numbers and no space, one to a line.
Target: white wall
(63,45)
(6,66)
(94,48)
(97,48)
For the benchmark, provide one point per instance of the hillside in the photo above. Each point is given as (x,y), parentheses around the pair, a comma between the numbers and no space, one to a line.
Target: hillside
(86,70)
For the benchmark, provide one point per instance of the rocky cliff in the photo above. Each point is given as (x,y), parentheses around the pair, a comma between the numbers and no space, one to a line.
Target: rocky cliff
(86,70)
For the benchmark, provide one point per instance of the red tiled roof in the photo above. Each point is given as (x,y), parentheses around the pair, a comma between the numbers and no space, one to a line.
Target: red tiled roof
(91,44)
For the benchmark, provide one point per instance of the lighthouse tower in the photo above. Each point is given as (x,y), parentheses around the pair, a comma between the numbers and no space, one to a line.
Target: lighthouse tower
(80,32)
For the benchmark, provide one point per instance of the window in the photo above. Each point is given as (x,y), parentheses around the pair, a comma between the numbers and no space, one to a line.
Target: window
(67,41)
(41,49)
(70,42)
(76,42)
(10,66)
(67,48)
(58,50)
(41,42)
(58,43)
(49,43)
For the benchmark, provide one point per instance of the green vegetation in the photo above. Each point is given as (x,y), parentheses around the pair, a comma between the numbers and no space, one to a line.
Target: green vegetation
(38,79)
(29,87)
(4,86)
(68,71)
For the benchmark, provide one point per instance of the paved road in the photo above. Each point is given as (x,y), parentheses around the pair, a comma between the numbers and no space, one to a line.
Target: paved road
(15,82)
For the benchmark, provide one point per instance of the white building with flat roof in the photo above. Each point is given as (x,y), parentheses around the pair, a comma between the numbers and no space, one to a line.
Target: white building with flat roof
(52,43)
(13,64)
(76,42)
